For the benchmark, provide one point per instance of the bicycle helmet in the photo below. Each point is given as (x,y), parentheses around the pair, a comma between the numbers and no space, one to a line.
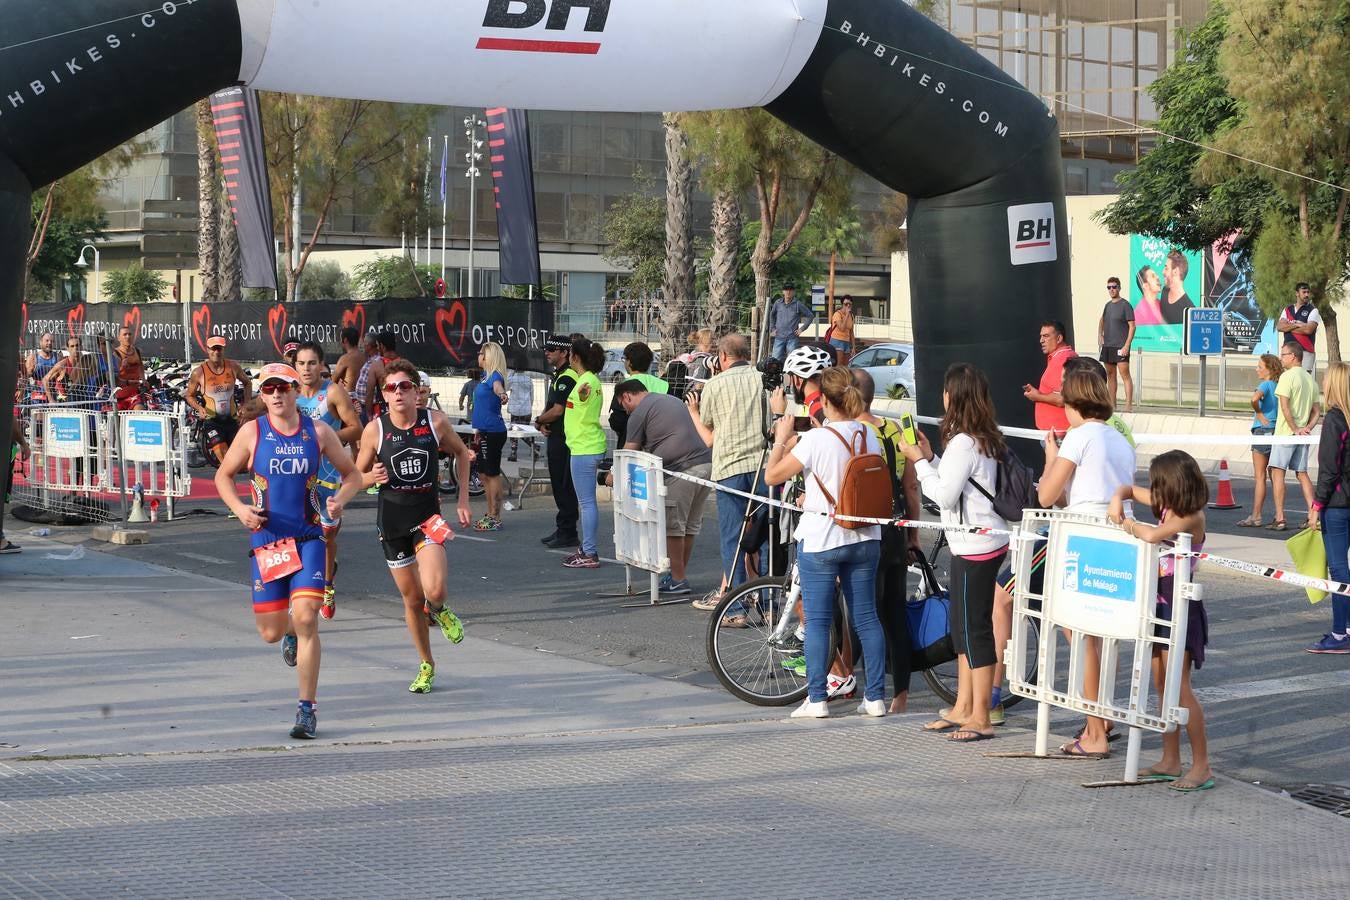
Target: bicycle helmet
(807,362)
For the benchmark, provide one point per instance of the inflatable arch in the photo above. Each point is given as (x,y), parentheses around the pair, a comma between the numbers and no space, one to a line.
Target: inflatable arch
(872,80)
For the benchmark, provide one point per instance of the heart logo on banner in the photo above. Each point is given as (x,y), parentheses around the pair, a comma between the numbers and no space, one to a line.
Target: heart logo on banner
(355,318)
(201,326)
(276,326)
(75,321)
(23,319)
(445,319)
(132,321)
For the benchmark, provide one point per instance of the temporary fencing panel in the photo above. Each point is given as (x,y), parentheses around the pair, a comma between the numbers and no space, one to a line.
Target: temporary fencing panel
(640,515)
(1099,582)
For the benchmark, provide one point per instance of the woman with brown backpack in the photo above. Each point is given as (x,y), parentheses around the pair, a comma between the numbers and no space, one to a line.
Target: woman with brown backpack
(842,466)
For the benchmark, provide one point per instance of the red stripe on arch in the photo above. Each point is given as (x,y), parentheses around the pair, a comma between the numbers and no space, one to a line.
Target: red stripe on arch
(585,47)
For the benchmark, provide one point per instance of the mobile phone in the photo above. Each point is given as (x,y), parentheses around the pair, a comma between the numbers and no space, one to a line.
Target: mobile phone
(801,423)
(908,428)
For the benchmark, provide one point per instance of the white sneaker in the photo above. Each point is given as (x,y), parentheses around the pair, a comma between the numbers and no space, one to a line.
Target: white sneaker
(809,710)
(837,687)
(874,708)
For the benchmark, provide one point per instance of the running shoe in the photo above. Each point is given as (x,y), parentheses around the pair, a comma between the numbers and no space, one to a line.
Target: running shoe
(669,585)
(426,674)
(10,547)
(582,561)
(373,489)
(1331,644)
(789,644)
(289,648)
(306,723)
(488,523)
(997,716)
(839,687)
(451,626)
(708,601)
(329,608)
(795,665)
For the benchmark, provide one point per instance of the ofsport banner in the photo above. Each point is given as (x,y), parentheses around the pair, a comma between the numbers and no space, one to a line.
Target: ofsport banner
(433,334)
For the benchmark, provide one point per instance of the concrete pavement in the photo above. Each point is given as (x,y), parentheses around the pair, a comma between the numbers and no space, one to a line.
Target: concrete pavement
(146,754)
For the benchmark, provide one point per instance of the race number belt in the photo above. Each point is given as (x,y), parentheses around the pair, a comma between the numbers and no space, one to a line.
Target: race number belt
(277,559)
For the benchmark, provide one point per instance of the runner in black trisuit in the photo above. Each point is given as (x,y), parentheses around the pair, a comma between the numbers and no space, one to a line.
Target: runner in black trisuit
(399,453)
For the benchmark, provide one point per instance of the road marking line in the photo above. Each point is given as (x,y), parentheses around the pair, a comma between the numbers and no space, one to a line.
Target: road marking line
(473,537)
(1248,690)
(202,557)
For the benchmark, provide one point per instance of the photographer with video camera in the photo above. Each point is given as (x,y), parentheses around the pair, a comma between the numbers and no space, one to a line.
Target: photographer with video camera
(730,417)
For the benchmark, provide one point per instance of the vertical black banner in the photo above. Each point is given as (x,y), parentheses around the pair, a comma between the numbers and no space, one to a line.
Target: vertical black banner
(513,190)
(243,162)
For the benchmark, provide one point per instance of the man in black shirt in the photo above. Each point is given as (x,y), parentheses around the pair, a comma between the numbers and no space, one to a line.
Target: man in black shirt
(558,351)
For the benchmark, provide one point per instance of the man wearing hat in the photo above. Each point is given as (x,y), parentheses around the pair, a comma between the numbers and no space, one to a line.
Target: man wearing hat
(558,351)
(215,380)
(284,451)
(786,322)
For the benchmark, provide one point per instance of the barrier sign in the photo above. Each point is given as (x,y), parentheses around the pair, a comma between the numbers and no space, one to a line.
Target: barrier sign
(637,483)
(1101,576)
(67,435)
(640,519)
(145,437)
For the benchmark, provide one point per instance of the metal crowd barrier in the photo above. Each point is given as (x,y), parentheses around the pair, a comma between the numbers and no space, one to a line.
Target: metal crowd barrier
(640,520)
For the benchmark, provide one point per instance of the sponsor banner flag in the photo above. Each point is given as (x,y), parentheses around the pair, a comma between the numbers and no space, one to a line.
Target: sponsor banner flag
(513,192)
(243,164)
(432,333)
(1163,281)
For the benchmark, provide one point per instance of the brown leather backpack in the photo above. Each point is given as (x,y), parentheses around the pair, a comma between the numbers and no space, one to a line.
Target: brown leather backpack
(865,489)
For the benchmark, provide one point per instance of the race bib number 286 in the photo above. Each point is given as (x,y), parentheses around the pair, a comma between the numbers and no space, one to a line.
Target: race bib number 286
(277,559)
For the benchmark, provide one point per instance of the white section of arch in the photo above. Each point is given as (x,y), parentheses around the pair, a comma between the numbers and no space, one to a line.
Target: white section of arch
(651,54)
(255,20)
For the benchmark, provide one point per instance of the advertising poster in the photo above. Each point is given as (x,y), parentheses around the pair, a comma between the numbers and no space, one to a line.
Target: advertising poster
(1245,328)
(1163,282)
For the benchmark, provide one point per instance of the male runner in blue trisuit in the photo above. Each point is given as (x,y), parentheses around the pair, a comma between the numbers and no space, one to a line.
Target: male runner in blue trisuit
(283,451)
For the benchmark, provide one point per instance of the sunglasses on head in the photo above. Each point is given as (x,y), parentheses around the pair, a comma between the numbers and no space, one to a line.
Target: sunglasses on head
(398,387)
(275,387)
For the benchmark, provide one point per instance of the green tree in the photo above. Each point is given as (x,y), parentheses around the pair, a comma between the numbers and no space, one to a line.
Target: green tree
(393,276)
(321,151)
(634,232)
(208,202)
(787,172)
(798,266)
(889,234)
(324,280)
(133,285)
(835,235)
(1288,63)
(1164,196)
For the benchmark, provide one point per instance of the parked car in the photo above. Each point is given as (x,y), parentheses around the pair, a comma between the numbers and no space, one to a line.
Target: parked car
(891,367)
(615,370)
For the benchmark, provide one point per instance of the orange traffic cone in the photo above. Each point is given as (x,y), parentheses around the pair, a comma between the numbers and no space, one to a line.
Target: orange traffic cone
(1225,498)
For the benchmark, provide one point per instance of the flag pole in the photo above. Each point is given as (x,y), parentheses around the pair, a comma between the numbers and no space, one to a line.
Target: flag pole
(445,159)
(427,193)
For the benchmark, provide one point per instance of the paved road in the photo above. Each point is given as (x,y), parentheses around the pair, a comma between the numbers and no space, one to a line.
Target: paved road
(1277,714)
(145,755)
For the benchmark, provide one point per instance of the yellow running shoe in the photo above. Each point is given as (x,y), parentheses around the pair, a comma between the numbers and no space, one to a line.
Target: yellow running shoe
(426,674)
(451,627)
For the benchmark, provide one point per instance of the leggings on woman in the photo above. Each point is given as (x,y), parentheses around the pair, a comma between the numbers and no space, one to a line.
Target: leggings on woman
(891,609)
(583,479)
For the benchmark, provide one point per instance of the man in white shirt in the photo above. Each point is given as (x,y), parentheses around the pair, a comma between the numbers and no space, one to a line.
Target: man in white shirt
(519,405)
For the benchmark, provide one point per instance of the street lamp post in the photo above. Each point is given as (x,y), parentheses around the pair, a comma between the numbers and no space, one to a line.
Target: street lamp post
(79,262)
(471,126)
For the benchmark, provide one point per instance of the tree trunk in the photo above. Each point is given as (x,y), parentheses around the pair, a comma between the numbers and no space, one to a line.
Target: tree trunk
(677,307)
(1333,335)
(208,213)
(829,298)
(231,272)
(726,251)
(761,262)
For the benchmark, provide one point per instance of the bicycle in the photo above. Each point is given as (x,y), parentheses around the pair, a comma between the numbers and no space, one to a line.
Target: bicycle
(446,482)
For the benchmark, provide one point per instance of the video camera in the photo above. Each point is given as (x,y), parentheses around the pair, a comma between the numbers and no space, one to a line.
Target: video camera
(771,371)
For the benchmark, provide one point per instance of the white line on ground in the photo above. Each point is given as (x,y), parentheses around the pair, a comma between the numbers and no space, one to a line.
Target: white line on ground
(202,557)
(1294,684)
(473,537)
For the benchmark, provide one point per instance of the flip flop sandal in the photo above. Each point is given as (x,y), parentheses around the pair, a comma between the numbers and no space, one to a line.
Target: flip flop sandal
(1112,736)
(1278,525)
(1148,776)
(1190,787)
(734,622)
(1251,522)
(970,736)
(1076,749)
(947,725)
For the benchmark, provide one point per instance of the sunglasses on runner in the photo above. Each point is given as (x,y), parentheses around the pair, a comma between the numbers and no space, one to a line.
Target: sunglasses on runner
(398,387)
(275,387)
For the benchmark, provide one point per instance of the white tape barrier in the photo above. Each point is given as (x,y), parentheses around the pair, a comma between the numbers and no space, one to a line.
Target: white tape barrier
(1145,438)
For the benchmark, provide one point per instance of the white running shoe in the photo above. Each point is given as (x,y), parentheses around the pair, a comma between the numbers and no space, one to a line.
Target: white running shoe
(874,708)
(809,710)
(838,687)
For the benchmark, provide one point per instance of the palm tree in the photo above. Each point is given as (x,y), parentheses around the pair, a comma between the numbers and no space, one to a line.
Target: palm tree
(839,238)
(726,260)
(208,205)
(678,286)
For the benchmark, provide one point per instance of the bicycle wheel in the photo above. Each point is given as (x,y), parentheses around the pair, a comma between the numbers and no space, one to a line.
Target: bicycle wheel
(445,476)
(748,661)
(941,680)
